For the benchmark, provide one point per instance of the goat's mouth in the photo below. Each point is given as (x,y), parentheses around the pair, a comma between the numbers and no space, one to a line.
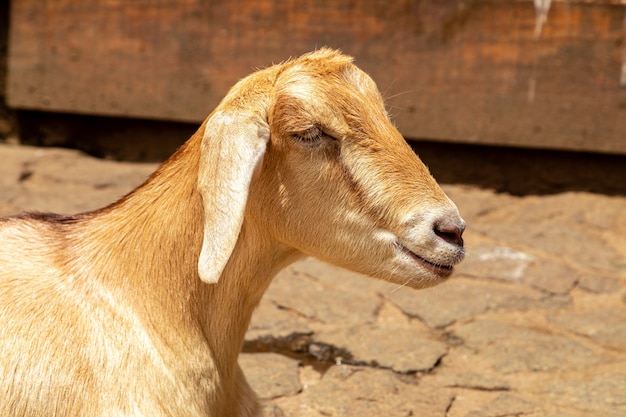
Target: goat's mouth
(441,270)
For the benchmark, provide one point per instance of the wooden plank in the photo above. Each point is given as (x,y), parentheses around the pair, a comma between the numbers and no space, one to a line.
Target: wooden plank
(477,72)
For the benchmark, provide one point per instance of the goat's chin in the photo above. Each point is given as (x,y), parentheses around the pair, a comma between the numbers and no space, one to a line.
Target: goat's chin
(400,265)
(406,268)
(419,276)
(439,268)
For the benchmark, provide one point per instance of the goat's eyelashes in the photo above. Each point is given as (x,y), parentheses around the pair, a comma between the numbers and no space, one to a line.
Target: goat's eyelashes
(312,137)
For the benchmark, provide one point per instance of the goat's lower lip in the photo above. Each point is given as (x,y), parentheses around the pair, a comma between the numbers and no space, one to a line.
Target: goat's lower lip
(438,269)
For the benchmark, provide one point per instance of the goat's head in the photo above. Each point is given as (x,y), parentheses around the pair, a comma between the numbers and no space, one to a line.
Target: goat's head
(306,148)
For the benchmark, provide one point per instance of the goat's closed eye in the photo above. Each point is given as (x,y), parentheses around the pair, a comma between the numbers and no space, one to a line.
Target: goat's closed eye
(313,136)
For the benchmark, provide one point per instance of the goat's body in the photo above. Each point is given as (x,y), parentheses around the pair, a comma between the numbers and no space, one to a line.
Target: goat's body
(70,344)
(82,324)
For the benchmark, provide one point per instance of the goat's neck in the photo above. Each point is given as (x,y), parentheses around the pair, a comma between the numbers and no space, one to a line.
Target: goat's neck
(150,260)
(254,263)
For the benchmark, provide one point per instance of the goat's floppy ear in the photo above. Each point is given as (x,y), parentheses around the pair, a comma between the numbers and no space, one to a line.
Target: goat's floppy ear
(233,145)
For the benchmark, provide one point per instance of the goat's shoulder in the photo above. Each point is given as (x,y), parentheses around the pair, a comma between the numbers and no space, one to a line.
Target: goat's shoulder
(37,217)
(31,242)
(31,226)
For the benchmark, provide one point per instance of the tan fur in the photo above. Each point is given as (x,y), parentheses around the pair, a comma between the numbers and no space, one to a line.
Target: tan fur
(105,313)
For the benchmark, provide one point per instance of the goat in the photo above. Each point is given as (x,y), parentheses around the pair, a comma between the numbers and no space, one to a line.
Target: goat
(140,308)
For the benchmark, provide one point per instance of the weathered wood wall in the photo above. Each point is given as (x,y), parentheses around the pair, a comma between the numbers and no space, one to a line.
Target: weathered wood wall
(458,70)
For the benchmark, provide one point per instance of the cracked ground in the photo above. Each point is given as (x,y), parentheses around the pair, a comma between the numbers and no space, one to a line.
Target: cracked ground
(533,322)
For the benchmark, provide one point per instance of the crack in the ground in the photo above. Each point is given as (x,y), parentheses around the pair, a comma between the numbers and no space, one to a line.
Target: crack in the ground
(25,175)
(500,388)
(449,407)
(294,346)
(295,312)
(321,356)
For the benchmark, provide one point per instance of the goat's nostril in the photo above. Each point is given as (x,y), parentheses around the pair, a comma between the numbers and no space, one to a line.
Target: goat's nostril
(451,232)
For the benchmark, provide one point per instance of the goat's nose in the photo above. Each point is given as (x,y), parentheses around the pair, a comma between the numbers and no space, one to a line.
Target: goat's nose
(450,230)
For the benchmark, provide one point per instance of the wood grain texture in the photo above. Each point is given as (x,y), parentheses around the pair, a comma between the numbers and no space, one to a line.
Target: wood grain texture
(465,71)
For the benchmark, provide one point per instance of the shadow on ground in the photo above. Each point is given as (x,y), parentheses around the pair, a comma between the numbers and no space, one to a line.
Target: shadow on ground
(504,169)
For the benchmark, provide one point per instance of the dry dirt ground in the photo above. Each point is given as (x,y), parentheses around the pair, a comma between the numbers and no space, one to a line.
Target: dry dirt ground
(532,324)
